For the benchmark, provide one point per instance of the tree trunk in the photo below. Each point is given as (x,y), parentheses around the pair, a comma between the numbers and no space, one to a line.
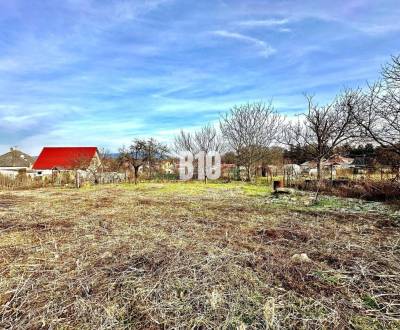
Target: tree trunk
(319,170)
(136,174)
(77,182)
(263,172)
(319,177)
(249,173)
(150,172)
(237,173)
(205,168)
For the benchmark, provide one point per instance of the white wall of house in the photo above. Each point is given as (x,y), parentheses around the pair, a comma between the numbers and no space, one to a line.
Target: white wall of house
(43,172)
(13,171)
(11,168)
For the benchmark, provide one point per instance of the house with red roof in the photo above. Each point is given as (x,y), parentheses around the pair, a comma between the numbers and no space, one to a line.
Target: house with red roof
(66,159)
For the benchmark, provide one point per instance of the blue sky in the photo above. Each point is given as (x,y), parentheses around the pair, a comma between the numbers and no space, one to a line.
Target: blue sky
(85,72)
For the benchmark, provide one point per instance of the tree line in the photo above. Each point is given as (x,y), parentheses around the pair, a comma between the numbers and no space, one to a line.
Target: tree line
(249,133)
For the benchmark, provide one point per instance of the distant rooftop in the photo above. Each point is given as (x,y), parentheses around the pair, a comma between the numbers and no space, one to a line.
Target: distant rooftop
(16,158)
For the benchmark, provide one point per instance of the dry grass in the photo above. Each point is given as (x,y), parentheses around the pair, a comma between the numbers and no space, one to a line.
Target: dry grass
(384,191)
(194,256)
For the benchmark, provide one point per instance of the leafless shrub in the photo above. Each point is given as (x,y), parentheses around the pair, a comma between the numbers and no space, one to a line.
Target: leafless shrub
(249,129)
(324,128)
(379,112)
(206,139)
(141,154)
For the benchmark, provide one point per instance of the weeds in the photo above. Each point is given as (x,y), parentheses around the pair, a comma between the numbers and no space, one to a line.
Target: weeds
(184,255)
(384,191)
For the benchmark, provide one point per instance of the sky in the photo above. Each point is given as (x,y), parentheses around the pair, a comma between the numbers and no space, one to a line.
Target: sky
(101,73)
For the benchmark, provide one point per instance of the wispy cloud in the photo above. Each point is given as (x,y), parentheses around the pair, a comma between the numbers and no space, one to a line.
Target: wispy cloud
(109,12)
(272,22)
(376,29)
(264,49)
(89,72)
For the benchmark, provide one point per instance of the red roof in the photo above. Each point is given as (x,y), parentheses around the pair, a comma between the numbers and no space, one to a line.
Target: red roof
(65,158)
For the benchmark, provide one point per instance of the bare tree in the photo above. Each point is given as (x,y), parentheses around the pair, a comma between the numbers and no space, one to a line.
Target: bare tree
(205,140)
(97,165)
(249,129)
(140,153)
(80,162)
(323,128)
(154,152)
(185,142)
(391,71)
(379,113)
(93,166)
(108,162)
(103,162)
(132,158)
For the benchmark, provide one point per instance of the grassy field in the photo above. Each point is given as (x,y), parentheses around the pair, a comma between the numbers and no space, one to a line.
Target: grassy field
(189,255)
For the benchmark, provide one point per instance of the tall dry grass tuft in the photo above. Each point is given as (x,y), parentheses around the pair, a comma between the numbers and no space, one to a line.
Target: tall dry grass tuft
(21,181)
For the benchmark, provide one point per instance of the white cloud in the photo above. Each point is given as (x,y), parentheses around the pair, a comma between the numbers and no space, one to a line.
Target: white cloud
(265,49)
(264,23)
(114,11)
(376,29)
(31,53)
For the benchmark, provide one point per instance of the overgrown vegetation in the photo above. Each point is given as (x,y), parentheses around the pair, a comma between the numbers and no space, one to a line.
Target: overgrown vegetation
(189,255)
(384,191)
(21,181)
